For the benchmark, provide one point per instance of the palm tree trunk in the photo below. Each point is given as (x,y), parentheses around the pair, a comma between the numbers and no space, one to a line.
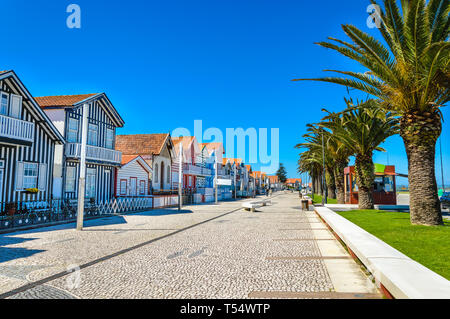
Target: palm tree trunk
(313,184)
(365,176)
(339,180)
(320,184)
(420,143)
(331,184)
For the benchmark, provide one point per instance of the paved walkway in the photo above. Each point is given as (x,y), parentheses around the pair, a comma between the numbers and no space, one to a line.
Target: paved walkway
(208,251)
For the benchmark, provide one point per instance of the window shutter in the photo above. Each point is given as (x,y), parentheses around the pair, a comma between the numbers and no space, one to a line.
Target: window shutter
(19,176)
(16,106)
(42,179)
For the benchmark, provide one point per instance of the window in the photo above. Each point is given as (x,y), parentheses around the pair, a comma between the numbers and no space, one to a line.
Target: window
(123,187)
(109,138)
(142,187)
(90,182)
(30,175)
(4,99)
(70,178)
(168,174)
(72,131)
(93,134)
(16,106)
(155,175)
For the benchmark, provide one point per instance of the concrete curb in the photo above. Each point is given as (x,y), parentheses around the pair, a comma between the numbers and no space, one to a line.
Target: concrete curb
(399,276)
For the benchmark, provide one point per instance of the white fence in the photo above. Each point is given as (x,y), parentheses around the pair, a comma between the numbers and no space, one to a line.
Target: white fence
(16,129)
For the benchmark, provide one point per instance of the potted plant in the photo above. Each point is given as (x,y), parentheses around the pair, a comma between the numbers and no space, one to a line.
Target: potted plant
(31,191)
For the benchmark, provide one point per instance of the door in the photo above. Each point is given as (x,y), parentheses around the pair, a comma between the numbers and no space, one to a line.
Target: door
(133,186)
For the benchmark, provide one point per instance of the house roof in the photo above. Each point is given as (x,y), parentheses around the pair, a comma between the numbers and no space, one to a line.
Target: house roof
(186,141)
(256,174)
(141,144)
(65,101)
(212,146)
(36,110)
(273,178)
(249,167)
(127,159)
(293,180)
(62,100)
(236,161)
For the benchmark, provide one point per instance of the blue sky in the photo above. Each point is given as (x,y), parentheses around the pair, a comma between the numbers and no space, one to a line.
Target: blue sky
(167,63)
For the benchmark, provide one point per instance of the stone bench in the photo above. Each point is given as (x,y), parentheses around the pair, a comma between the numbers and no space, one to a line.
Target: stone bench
(401,276)
(253,205)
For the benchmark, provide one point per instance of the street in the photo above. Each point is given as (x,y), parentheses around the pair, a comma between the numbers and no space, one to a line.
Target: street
(205,251)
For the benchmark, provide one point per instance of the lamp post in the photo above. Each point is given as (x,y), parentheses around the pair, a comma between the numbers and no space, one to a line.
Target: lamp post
(215,176)
(180,177)
(234,180)
(442,164)
(324,184)
(82,179)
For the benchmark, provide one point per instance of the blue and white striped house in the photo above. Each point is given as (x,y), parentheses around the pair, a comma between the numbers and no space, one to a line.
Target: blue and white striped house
(102,160)
(27,144)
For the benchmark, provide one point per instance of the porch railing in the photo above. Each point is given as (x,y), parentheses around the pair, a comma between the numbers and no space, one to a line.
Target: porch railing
(16,129)
(192,169)
(73,150)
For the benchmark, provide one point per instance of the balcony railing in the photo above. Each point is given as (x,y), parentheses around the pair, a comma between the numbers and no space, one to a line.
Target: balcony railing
(16,129)
(196,170)
(95,153)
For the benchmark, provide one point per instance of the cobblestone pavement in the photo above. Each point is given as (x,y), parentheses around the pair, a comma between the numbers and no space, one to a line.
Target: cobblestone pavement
(277,249)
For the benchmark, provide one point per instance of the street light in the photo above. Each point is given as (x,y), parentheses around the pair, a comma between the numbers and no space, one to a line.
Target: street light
(324,186)
(442,164)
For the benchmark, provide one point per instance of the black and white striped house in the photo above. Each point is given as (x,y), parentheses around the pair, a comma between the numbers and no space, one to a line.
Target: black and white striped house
(27,144)
(102,160)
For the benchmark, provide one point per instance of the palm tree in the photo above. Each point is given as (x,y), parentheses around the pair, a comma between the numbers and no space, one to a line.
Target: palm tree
(307,165)
(410,74)
(340,154)
(361,130)
(318,153)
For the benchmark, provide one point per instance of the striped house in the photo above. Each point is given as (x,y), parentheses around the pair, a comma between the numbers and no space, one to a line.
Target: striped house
(102,160)
(194,159)
(157,150)
(133,177)
(27,144)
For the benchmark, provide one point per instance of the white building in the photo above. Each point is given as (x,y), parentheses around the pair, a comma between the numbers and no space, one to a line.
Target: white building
(133,177)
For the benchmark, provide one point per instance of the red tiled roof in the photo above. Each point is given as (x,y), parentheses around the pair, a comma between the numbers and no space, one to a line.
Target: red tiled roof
(212,146)
(128,158)
(293,180)
(256,174)
(62,100)
(184,140)
(249,167)
(273,178)
(141,144)
(236,161)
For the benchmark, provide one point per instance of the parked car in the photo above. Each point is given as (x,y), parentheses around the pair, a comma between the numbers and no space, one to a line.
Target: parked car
(445,199)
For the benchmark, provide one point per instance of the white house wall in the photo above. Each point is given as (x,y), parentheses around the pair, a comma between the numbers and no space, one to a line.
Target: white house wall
(128,171)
